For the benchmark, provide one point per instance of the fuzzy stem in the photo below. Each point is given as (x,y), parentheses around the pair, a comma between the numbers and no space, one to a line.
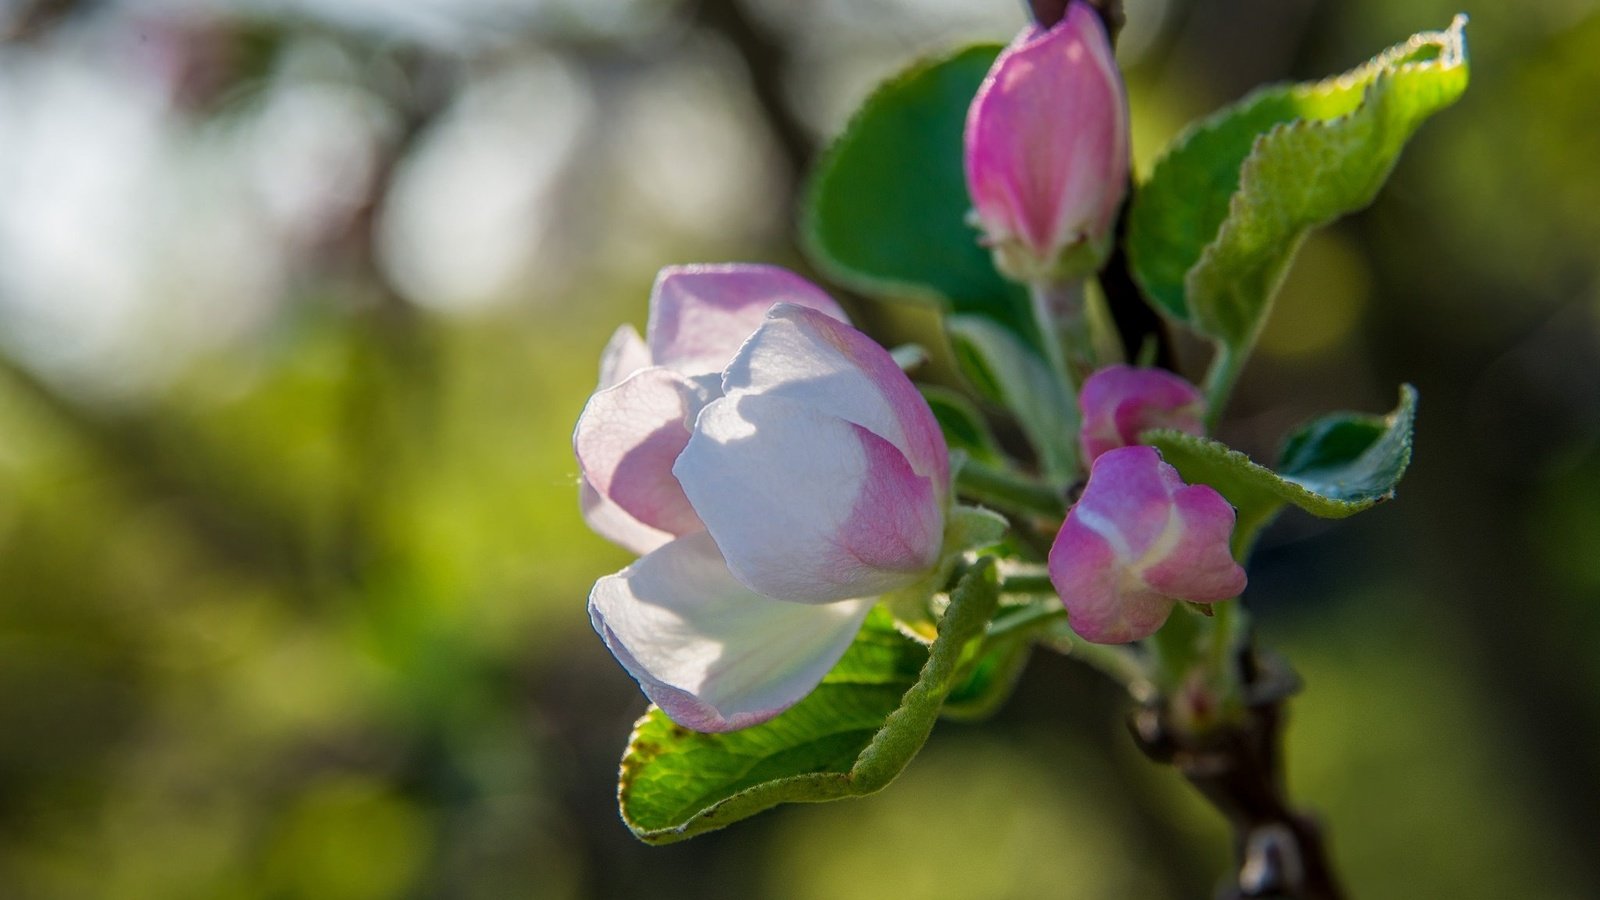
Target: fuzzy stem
(1067,327)
(1008,491)
(1222,375)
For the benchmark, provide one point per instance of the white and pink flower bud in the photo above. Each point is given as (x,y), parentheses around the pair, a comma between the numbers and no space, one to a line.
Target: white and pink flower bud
(783,498)
(1047,150)
(651,389)
(1120,402)
(1136,543)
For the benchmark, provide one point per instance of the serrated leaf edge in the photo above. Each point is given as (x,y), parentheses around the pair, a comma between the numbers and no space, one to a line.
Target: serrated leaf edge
(1291,491)
(1378,73)
(1451,39)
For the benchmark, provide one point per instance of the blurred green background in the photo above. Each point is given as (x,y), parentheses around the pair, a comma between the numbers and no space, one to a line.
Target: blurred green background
(300,298)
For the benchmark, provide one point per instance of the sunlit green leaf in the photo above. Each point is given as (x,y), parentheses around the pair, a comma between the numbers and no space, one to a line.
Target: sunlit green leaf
(1334,467)
(886,212)
(1213,230)
(850,737)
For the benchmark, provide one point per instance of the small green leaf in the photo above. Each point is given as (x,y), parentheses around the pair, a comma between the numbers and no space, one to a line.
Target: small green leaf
(994,664)
(1334,467)
(963,425)
(1213,230)
(849,737)
(1016,377)
(990,681)
(886,210)
(973,528)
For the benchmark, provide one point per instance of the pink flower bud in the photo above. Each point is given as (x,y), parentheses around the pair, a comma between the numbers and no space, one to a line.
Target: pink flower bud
(1138,541)
(1120,402)
(1047,150)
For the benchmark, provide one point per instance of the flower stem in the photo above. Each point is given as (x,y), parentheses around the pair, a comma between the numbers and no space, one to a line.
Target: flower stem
(1221,376)
(1030,583)
(1008,491)
(1070,332)
(1053,311)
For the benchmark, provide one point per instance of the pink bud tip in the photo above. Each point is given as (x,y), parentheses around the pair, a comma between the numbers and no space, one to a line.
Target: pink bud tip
(1047,149)
(1120,402)
(1138,541)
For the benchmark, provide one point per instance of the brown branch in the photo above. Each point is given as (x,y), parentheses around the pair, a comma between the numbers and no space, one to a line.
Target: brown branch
(1238,766)
(765,57)
(1049,12)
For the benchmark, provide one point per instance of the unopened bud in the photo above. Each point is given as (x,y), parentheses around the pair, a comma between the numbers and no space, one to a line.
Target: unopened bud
(1047,150)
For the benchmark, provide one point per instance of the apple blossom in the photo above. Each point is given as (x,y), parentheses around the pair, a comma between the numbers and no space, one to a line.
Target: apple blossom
(1047,149)
(807,481)
(1119,402)
(651,388)
(1138,541)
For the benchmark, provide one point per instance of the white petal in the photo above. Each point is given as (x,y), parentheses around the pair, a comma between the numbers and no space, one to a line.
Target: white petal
(710,652)
(627,438)
(613,523)
(806,506)
(624,355)
(835,369)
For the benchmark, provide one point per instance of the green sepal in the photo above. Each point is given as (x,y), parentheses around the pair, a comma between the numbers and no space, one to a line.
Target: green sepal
(1211,233)
(885,211)
(1333,467)
(849,737)
(973,528)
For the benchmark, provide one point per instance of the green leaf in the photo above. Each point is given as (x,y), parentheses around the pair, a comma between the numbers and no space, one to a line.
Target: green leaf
(963,425)
(1333,467)
(1212,232)
(973,528)
(990,681)
(886,210)
(849,737)
(1013,375)
(994,664)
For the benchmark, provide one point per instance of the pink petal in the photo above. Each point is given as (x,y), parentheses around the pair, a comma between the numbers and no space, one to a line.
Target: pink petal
(712,654)
(1136,542)
(1200,566)
(807,506)
(1129,499)
(613,523)
(700,315)
(1047,138)
(1103,604)
(831,367)
(1120,402)
(627,439)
